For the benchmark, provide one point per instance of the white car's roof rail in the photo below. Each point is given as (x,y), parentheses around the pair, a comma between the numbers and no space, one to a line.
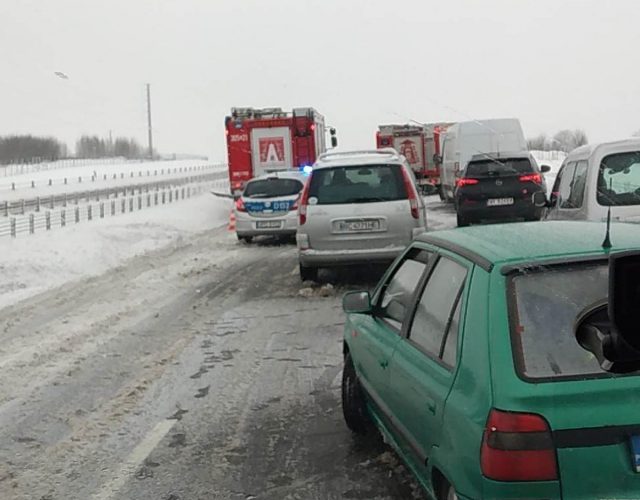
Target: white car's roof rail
(345,154)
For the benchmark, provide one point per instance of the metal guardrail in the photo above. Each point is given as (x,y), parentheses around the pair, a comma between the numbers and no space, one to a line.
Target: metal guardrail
(17,184)
(67,216)
(22,207)
(40,166)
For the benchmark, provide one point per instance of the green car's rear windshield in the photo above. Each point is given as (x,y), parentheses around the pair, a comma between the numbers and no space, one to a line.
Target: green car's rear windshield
(357,184)
(544,307)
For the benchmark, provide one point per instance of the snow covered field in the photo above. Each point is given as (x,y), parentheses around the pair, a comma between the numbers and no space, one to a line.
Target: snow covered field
(90,177)
(39,262)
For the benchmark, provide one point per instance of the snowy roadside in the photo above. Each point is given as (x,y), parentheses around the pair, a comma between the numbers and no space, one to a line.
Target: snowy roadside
(44,261)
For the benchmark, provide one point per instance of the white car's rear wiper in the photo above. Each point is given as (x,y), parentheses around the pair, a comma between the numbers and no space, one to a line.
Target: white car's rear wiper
(366,200)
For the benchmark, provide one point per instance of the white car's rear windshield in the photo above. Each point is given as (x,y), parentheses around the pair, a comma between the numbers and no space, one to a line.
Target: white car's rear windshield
(619,179)
(357,184)
(272,188)
(544,307)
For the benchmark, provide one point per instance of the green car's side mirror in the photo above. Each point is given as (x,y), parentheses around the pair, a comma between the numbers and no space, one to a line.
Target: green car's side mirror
(357,302)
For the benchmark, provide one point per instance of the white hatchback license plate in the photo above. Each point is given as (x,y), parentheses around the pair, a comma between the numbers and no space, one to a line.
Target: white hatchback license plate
(269,224)
(499,202)
(358,225)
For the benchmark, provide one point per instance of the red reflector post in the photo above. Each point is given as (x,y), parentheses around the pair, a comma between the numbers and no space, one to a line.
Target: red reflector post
(518,447)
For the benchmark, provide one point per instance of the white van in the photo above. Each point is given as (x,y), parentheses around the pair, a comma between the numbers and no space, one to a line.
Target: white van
(594,178)
(466,139)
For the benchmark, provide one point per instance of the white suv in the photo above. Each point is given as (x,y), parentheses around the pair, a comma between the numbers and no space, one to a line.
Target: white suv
(357,207)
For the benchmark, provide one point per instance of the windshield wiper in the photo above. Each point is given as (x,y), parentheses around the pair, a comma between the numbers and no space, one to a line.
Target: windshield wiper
(365,200)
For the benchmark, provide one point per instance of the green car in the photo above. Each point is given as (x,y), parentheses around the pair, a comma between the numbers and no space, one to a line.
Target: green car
(496,362)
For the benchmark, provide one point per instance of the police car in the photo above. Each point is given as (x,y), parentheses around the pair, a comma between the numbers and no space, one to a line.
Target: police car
(268,205)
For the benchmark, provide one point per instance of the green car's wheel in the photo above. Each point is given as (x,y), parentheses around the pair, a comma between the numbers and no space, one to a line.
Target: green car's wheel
(354,407)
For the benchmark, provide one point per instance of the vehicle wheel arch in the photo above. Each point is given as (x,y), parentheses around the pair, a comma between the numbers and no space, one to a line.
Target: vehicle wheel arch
(440,483)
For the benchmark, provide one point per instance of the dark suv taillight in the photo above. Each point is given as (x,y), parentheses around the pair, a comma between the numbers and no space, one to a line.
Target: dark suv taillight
(535,178)
(518,447)
(466,181)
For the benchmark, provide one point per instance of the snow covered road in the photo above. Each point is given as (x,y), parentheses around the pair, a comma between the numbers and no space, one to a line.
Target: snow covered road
(194,370)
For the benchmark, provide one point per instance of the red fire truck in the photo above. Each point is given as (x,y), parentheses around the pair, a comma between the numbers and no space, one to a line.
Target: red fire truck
(270,139)
(419,144)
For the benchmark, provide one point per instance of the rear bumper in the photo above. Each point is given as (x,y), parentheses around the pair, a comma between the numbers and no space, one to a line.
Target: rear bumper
(320,258)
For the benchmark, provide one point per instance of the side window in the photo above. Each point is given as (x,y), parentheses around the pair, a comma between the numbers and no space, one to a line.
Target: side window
(564,188)
(435,323)
(396,294)
(576,196)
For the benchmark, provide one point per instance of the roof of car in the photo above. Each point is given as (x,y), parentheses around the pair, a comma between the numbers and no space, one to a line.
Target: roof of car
(590,148)
(534,241)
(281,174)
(362,157)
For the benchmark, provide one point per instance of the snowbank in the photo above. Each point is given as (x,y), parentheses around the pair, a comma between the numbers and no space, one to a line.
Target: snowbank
(33,264)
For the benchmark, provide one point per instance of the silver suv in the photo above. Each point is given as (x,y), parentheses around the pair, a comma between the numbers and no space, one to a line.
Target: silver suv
(357,207)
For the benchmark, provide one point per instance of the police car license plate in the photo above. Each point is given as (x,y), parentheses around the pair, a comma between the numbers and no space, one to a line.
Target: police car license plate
(499,202)
(269,224)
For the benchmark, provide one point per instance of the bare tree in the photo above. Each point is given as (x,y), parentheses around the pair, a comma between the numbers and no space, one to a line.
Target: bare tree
(567,140)
(537,143)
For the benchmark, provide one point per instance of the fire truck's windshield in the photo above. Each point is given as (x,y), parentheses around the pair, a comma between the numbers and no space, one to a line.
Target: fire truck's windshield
(272,188)
(357,184)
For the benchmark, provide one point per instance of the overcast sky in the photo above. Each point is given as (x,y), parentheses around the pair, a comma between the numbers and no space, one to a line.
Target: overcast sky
(552,63)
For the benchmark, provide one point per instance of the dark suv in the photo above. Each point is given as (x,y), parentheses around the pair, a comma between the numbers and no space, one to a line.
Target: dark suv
(500,186)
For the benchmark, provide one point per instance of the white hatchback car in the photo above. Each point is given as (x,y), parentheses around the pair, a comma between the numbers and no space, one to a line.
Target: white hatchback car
(357,207)
(268,205)
(596,178)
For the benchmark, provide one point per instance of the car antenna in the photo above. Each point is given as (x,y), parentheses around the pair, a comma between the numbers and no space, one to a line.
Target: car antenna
(606,244)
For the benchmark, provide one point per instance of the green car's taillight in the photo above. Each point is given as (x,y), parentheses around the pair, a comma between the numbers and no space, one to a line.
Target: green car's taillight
(518,447)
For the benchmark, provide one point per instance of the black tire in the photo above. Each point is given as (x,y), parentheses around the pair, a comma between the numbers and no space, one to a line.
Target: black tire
(354,408)
(462,221)
(448,493)
(246,239)
(308,273)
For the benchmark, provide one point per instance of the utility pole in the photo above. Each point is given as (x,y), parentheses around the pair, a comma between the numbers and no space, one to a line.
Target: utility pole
(149,120)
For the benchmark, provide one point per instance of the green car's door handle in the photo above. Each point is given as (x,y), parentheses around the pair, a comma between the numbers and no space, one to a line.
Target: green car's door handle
(431,405)
(384,363)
